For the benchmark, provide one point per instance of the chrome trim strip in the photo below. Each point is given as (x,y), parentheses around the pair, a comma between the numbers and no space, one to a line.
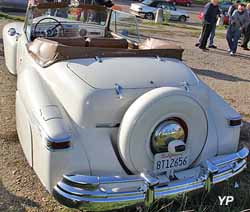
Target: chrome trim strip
(99,193)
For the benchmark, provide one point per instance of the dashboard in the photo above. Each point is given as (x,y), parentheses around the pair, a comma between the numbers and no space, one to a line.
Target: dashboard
(55,29)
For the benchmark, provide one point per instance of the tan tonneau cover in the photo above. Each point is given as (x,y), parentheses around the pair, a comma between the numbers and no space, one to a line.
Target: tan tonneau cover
(47,52)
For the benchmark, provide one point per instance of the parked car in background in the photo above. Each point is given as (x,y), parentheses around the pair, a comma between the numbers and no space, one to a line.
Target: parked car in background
(187,3)
(13,4)
(147,9)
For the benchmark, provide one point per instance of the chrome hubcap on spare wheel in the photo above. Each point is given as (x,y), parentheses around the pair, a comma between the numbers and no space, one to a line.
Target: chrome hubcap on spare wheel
(167,133)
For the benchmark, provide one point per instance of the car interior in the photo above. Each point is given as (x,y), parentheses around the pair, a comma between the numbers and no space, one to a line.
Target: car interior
(53,40)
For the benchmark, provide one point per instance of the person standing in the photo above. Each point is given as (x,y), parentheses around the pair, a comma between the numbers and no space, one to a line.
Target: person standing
(237,22)
(212,35)
(211,12)
(232,8)
(246,30)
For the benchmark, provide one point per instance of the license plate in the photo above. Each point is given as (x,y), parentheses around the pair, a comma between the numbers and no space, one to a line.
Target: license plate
(166,163)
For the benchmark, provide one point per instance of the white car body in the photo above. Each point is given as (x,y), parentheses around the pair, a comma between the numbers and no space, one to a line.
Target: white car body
(142,9)
(75,119)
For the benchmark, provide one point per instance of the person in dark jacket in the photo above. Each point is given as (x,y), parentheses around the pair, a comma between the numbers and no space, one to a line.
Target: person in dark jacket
(237,22)
(211,37)
(232,8)
(211,13)
(246,30)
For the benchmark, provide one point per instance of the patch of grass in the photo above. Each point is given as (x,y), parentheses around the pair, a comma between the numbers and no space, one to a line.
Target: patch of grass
(202,2)
(190,30)
(203,201)
(179,25)
(10,17)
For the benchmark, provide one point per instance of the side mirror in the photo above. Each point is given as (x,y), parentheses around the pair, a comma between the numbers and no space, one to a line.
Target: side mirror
(12,32)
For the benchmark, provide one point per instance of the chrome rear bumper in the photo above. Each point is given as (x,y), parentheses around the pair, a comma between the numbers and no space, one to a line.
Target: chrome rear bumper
(106,193)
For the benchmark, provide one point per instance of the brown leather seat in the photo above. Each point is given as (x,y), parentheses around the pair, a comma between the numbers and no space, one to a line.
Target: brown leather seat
(43,50)
(107,43)
(71,41)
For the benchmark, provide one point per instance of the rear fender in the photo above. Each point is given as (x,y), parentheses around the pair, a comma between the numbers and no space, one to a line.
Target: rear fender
(56,147)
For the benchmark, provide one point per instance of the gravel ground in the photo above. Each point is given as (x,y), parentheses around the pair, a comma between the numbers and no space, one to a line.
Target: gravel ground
(20,189)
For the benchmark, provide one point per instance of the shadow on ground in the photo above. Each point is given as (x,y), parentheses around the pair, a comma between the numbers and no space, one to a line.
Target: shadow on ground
(225,53)
(219,75)
(11,202)
(1,48)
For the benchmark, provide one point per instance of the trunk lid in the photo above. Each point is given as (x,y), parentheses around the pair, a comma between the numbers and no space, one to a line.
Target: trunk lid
(132,72)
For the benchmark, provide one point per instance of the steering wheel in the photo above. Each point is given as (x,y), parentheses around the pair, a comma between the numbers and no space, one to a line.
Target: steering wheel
(51,32)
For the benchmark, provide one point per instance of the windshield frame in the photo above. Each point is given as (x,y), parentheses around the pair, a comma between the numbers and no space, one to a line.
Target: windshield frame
(114,14)
(61,5)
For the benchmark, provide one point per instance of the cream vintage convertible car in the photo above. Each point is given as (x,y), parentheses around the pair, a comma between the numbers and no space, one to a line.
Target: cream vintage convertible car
(109,119)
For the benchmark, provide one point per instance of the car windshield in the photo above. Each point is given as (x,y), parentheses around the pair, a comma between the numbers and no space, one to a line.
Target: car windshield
(147,2)
(68,14)
(63,20)
(125,25)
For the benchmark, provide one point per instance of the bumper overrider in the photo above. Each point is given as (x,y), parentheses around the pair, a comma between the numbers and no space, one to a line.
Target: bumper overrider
(96,193)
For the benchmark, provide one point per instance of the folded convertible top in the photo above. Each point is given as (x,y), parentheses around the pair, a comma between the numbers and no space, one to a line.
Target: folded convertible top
(47,52)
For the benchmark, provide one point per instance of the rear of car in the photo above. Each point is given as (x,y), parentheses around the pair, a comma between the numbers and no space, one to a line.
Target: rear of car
(165,121)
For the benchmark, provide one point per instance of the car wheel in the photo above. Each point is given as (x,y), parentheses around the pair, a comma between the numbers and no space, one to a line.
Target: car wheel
(149,16)
(182,18)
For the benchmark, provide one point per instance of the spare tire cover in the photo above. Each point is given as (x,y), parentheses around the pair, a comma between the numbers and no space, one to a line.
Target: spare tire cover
(146,113)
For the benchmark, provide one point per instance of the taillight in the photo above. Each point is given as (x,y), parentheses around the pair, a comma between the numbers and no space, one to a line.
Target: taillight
(235,121)
(58,145)
(63,143)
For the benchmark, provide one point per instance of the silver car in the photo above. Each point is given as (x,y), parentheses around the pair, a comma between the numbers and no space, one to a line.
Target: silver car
(13,4)
(147,9)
